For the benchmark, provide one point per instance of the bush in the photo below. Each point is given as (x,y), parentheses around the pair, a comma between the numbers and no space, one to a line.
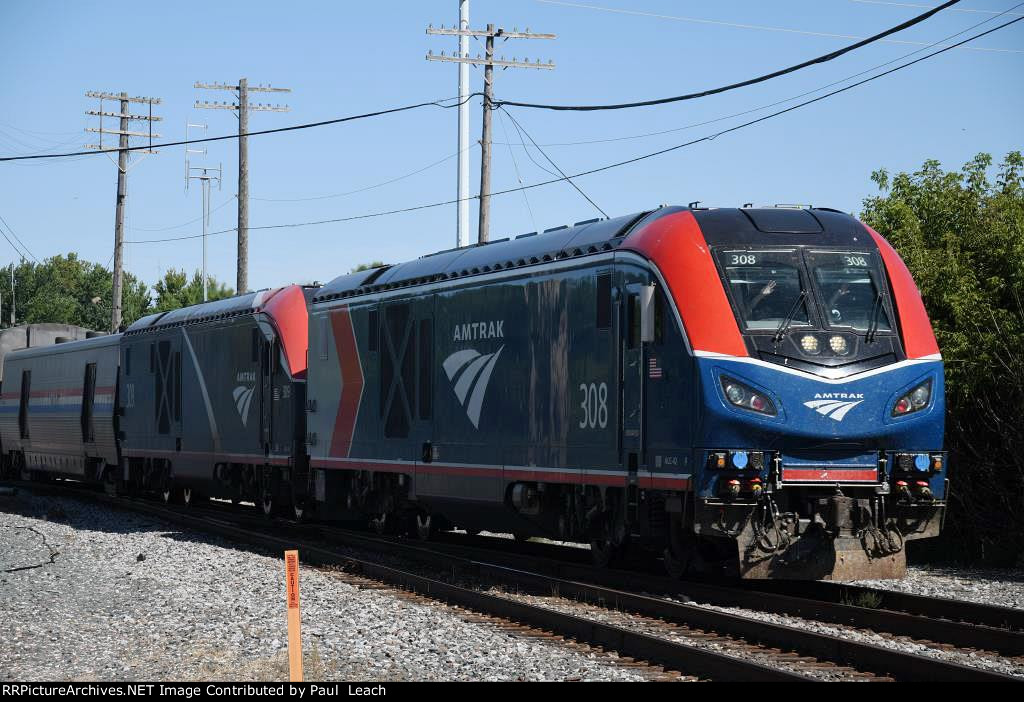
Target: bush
(962,237)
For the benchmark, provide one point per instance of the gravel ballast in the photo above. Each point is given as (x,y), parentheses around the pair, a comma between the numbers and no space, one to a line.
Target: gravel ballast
(1004,588)
(90,593)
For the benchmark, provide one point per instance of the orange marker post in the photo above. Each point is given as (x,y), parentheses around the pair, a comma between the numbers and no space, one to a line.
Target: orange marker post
(291,572)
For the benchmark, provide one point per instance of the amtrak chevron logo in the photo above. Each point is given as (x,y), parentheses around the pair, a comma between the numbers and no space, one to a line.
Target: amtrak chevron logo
(833,409)
(470,371)
(243,399)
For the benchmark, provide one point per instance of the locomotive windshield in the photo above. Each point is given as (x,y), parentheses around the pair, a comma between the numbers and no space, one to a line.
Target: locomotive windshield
(766,288)
(773,290)
(849,289)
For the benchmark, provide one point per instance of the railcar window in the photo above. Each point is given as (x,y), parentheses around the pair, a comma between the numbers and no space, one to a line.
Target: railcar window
(88,398)
(659,315)
(633,321)
(324,349)
(177,386)
(764,285)
(848,288)
(604,301)
(26,393)
(425,387)
(373,330)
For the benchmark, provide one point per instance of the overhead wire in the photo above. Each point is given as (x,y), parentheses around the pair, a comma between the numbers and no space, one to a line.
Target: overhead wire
(616,164)
(760,27)
(276,130)
(226,202)
(741,84)
(568,179)
(722,118)
(368,187)
(918,5)
(515,166)
(438,103)
(11,230)
(606,167)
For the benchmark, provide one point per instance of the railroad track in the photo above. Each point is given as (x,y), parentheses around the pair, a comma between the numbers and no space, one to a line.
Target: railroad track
(966,625)
(631,646)
(664,632)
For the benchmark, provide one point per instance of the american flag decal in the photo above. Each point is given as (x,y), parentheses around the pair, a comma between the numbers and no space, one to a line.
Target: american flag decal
(653,369)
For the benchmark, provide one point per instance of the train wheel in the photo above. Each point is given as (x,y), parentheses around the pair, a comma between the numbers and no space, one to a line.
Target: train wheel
(605,549)
(300,509)
(381,524)
(268,505)
(190,497)
(424,527)
(603,552)
(679,552)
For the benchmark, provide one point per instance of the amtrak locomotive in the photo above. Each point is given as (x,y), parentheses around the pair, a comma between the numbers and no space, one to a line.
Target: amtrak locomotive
(750,391)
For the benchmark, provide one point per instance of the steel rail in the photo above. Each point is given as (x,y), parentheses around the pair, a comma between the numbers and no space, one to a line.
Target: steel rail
(618,589)
(689,660)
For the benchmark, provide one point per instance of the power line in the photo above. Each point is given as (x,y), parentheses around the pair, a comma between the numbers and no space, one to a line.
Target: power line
(363,189)
(16,249)
(526,149)
(760,27)
(742,84)
(515,166)
(918,5)
(183,224)
(11,230)
(569,180)
(617,164)
(723,118)
(295,127)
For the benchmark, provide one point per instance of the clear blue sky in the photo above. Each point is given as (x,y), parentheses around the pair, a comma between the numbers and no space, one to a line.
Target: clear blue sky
(343,57)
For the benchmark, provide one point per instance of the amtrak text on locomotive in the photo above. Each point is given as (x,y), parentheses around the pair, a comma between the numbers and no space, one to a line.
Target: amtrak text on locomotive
(471,331)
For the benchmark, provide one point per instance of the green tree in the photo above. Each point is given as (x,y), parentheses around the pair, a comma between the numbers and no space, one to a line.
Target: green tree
(177,290)
(962,236)
(68,290)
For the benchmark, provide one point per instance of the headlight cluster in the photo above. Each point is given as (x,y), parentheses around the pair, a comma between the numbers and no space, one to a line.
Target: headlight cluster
(812,345)
(915,400)
(746,397)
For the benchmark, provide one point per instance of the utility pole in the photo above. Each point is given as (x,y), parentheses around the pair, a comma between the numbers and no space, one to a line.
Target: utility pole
(489,62)
(123,134)
(205,175)
(242,108)
(462,207)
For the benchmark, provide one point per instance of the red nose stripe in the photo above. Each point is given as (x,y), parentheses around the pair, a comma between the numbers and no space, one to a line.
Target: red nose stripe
(840,475)
(918,337)
(351,371)
(676,245)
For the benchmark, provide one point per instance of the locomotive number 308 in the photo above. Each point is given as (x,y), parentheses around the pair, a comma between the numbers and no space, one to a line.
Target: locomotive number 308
(594,403)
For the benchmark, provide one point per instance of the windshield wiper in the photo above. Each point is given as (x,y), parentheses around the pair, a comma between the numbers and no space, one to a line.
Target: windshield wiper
(873,326)
(784,326)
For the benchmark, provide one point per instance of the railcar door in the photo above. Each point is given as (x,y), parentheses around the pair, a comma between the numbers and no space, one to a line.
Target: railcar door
(637,329)
(632,380)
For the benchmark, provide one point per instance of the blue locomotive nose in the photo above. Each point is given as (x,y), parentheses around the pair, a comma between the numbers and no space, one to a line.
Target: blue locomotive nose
(803,412)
